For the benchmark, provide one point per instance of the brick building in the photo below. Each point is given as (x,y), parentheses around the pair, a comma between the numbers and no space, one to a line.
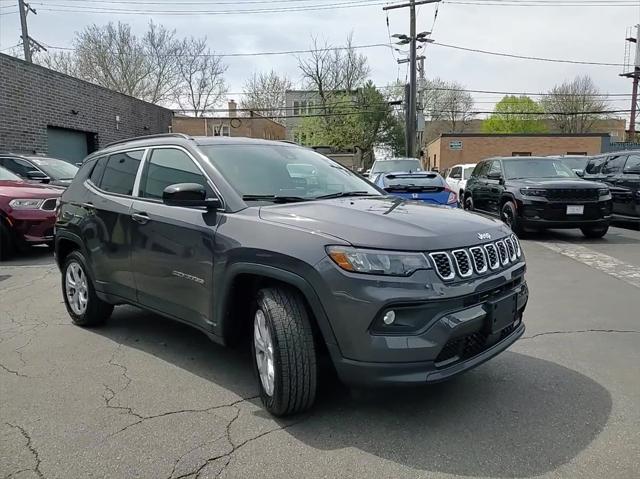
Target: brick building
(452,148)
(44,111)
(252,126)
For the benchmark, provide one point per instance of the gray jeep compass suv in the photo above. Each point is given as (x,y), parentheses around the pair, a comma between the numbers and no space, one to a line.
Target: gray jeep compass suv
(278,245)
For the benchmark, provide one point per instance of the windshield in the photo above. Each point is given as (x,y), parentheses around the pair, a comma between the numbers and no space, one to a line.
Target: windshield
(537,168)
(576,163)
(6,175)
(285,171)
(396,165)
(432,180)
(56,169)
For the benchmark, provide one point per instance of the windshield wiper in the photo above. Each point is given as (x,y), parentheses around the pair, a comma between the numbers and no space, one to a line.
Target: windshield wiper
(274,198)
(341,194)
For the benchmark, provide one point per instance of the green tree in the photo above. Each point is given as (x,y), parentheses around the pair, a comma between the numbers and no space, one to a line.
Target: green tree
(515,114)
(355,121)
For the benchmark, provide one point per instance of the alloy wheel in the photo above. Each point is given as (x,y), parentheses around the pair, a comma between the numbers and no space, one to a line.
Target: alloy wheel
(76,287)
(264,352)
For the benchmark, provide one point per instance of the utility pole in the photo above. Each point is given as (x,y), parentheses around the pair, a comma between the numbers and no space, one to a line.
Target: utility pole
(634,73)
(28,43)
(411,40)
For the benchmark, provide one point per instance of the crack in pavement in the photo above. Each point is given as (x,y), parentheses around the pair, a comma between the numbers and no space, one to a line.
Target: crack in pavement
(31,282)
(579,331)
(11,371)
(34,451)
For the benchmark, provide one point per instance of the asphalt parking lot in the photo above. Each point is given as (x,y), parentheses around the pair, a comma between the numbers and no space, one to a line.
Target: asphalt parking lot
(146,397)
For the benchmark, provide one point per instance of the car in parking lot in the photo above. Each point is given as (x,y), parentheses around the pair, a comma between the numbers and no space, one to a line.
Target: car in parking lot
(457,177)
(428,187)
(51,171)
(538,193)
(27,213)
(223,234)
(620,172)
(394,164)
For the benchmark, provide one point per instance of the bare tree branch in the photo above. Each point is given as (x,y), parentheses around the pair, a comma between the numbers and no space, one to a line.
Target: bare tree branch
(266,92)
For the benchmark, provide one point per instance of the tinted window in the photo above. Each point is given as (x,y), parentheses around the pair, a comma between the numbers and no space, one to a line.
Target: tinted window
(168,166)
(58,169)
(456,173)
(633,164)
(467,172)
(537,168)
(595,165)
(495,168)
(120,172)
(614,165)
(481,169)
(430,179)
(98,170)
(18,166)
(396,165)
(266,170)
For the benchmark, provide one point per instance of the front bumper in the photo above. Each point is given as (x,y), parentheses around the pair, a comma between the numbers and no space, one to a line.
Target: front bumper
(32,226)
(550,214)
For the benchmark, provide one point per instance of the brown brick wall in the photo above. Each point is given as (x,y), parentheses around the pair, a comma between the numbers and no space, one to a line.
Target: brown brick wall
(477,148)
(251,127)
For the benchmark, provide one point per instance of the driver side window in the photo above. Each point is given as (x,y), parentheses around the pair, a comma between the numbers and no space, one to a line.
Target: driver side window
(495,169)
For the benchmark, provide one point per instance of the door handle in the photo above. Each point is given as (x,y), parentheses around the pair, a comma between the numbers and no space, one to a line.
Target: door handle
(141,218)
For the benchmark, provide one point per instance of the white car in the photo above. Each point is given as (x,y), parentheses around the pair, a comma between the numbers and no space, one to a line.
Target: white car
(457,177)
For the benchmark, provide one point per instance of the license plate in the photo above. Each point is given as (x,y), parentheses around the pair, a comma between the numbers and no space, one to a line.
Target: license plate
(502,312)
(575,210)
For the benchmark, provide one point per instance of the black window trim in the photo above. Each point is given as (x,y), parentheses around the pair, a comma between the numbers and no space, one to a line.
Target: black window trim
(108,155)
(143,163)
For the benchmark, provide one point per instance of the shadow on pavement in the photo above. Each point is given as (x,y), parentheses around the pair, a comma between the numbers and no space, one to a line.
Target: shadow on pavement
(34,256)
(615,236)
(516,416)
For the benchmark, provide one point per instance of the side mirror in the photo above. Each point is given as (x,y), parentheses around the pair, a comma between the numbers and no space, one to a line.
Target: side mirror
(495,176)
(580,173)
(37,175)
(188,195)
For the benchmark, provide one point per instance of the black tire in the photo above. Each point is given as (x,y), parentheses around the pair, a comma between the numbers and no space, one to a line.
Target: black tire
(595,233)
(96,311)
(468,203)
(509,215)
(294,353)
(7,247)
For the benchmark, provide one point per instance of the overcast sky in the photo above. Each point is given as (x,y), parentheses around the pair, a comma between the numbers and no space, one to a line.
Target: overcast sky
(577,32)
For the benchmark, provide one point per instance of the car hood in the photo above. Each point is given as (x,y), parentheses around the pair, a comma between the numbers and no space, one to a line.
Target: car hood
(387,223)
(22,189)
(554,183)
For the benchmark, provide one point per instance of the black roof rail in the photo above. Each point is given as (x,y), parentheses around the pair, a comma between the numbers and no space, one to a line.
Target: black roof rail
(147,137)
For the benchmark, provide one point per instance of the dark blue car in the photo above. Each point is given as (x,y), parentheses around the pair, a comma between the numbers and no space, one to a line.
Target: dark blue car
(424,186)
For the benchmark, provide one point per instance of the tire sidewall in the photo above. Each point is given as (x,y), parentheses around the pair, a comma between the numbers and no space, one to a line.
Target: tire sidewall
(508,208)
(468,203)
(274,402)
(77,257)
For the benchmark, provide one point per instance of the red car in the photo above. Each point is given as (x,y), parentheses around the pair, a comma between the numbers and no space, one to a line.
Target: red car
(27,213)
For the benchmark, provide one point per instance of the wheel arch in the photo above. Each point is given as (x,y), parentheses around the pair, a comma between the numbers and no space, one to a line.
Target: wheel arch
(65,243)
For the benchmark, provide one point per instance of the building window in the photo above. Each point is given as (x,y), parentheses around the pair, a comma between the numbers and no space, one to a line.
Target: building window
(222,130)
(521,153)
(577,153)
(302,107)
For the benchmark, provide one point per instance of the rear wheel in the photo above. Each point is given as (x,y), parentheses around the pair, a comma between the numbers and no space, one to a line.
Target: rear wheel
(284,352)
(510,217)
(83,305)
(592,232)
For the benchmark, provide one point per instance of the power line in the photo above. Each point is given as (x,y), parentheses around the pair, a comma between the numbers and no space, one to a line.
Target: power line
(539,3)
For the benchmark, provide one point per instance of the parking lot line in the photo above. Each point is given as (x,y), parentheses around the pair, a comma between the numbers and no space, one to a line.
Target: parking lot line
(626,272)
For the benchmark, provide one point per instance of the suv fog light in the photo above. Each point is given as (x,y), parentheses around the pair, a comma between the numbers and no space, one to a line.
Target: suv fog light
(389,317)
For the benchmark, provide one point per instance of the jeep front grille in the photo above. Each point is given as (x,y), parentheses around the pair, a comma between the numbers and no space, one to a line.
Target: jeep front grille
(479,259)
(464,262)
(442,265)
(492,256)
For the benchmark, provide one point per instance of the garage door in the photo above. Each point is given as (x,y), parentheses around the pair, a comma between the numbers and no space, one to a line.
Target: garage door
(70,145)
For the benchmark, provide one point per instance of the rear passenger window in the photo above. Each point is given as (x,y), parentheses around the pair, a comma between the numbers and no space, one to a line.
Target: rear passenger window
(613,165)
(168,166)
(633,164)
(120,172)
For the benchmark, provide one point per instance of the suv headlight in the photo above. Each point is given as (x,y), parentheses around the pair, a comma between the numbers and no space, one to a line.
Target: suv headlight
(25,204)
(390,263)
(533,191)
(603,192)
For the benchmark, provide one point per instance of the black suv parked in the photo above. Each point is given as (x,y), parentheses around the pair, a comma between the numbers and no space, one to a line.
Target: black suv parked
(538,193)
(39,169)
(620,171)
(226,234)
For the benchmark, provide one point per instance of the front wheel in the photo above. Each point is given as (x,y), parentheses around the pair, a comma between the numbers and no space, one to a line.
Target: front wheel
(83,305)
(284,352)
(595,233)
(510,217)
(6,242)
(468,203)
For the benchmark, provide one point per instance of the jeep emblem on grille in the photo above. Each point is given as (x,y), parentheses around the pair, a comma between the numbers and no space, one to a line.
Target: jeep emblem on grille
(484,236)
